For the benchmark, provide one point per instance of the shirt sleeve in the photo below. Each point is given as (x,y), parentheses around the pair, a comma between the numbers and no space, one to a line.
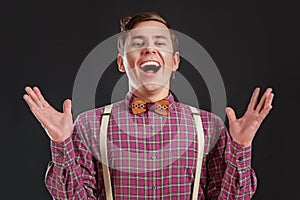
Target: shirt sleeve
(71,174)
(230,175)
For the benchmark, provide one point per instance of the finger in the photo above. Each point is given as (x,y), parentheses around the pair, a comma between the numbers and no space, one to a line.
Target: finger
(67,106)
(253,99)
(29,101)
(230,114)
(268,106)
(33,96)
(40,96)
(263,99)
(269,100)
(264,113)
(32,105)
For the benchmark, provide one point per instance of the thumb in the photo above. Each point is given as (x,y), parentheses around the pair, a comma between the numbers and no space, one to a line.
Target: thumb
(230,114)
(67,106)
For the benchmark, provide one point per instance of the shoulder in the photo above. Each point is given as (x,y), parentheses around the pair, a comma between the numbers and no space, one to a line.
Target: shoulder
(205,114)
(213,126)
(95,114)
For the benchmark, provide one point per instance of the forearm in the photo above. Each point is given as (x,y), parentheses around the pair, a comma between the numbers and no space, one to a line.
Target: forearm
(239,180)
(67,176)
(230,175)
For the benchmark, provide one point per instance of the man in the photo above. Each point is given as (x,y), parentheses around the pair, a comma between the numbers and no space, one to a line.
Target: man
(151,139)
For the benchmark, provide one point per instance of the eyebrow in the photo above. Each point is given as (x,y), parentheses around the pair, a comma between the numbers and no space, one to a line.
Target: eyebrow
(160,37)
(142,37)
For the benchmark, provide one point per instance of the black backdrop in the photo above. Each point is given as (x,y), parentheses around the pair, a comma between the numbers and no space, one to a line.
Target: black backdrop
(45,42)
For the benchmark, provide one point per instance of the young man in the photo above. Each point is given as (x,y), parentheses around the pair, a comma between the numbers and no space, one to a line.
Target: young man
(152,141)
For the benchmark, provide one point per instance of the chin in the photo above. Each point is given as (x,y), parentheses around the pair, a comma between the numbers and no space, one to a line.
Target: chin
(153,87)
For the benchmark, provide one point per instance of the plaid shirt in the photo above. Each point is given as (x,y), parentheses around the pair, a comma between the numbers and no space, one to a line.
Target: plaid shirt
(151,156)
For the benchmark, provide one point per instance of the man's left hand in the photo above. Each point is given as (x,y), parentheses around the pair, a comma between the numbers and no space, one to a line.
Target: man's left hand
(243,130)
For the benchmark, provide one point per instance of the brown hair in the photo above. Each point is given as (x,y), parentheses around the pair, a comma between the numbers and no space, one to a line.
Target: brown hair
(128,23)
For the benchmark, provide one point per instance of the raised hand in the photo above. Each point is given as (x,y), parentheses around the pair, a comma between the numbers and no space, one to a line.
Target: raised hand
(57,125)
(243,130)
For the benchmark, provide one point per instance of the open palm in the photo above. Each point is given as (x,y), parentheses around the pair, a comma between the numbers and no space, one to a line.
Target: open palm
(58,125)
(243,130)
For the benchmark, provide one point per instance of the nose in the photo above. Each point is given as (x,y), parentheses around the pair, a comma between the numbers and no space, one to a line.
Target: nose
(149,50)
(149,47)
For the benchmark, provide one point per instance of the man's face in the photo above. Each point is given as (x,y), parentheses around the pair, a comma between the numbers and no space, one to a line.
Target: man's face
(148,57)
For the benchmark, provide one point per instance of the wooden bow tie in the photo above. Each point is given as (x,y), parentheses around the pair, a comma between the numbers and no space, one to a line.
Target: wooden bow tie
(139,106)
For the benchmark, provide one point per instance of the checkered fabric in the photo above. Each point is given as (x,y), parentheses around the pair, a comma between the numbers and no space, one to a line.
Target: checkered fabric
(150,156)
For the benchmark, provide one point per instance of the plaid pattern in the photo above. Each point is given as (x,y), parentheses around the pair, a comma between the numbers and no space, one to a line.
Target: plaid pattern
(150,156)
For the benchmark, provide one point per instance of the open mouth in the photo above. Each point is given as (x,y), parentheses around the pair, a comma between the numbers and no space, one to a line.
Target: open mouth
(150,67)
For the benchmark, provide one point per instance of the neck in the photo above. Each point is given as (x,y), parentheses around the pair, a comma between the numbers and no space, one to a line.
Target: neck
(151,96)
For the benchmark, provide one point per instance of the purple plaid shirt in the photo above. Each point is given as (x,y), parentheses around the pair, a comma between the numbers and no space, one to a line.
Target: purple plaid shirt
(150,156)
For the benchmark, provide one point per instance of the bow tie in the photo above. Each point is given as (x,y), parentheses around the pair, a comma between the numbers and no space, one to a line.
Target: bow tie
(139,106)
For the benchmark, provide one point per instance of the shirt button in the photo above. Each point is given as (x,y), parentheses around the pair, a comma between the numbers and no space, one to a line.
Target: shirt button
(241,158)
(154,187)
(154,157)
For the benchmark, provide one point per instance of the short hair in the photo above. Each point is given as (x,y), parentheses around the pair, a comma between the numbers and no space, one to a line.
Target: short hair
(127,23)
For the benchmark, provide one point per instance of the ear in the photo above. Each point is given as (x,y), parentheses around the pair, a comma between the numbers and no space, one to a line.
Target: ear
(120,62)
(176,61)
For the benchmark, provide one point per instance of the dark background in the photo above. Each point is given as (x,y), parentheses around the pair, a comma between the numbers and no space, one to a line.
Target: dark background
(253,43)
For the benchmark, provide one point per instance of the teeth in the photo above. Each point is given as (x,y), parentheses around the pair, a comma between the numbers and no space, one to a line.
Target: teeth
(150,63)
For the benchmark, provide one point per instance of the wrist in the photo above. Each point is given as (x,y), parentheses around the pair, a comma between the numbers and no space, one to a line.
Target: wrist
(59,139)
(242,143)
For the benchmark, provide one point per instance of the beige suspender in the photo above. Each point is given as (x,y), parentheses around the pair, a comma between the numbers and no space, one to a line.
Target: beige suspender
(200,148)
(103,151)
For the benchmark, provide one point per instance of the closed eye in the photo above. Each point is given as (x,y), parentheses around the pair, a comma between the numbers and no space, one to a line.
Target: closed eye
(138,44)
(160,43)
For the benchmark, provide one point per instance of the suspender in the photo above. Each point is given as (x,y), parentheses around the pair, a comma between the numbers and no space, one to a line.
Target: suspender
(104,159)
(200,148)
(103,152)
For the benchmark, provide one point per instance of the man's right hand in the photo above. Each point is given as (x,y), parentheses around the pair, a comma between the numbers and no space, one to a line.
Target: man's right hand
(57,125)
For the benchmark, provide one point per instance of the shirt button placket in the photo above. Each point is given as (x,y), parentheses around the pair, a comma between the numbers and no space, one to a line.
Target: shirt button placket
(154,187)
